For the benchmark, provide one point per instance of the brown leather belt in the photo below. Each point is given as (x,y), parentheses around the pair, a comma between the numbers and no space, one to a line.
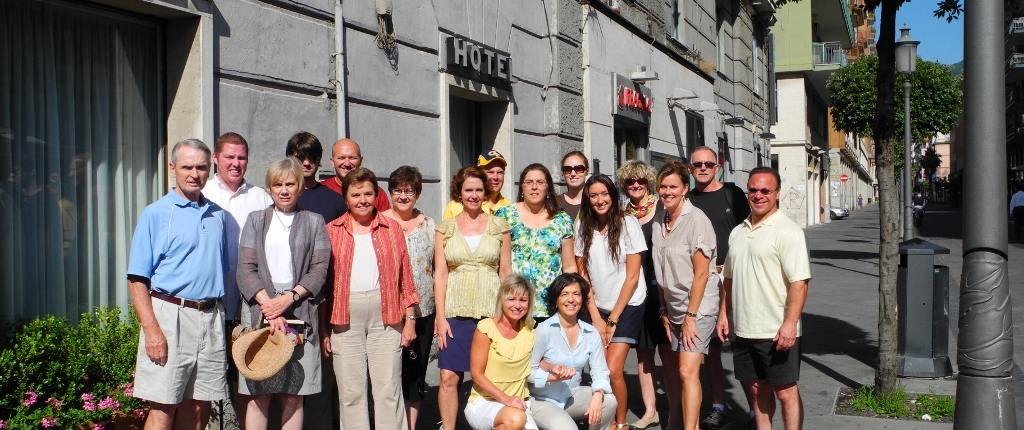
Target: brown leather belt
(201,305)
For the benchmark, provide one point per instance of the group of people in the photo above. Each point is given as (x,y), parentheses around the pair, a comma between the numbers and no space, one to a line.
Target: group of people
(523,295)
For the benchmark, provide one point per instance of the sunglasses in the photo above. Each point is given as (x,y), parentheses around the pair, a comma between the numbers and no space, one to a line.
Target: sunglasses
(579,169)
(705,164)
(304,157)
(762,191)
(629,182)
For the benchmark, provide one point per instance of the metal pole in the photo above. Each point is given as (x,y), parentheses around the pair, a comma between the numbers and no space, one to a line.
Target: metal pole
(984,391)
(908,181)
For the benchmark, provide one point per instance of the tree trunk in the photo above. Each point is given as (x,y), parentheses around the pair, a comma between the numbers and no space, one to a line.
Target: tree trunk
(889,228)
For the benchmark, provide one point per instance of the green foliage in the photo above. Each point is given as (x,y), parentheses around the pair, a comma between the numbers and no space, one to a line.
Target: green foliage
(891,404)
(897,404)
(934,98)
(72,374)
(935,405)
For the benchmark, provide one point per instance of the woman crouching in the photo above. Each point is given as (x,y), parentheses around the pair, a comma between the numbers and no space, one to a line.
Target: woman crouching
(500,361)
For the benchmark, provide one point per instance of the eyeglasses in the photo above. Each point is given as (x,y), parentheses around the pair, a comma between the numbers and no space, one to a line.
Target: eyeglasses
(303,157)
(705,164)
(531,183)
(762,191)
(407,192)
(579,169)
(629,182)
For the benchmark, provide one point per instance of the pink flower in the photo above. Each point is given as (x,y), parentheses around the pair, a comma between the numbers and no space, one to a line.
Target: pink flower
(54,402)
(109,403)
(87,397)
(48,422)
(31,398)
(97,427)
(139,412)
(3,424)
(129,388)
(89,406)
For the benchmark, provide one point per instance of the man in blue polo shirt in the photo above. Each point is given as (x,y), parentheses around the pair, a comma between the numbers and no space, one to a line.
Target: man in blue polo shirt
(176,278)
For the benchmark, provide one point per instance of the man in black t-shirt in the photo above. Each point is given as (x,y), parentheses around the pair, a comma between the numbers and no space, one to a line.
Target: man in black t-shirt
(316,197)
(725,204)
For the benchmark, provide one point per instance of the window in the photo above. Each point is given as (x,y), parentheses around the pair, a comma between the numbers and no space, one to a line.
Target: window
(720,48)
(694,131)
(756,64)
(677,21)
(81,132)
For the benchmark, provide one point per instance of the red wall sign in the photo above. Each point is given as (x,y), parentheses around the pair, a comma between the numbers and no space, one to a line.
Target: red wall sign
(630,98)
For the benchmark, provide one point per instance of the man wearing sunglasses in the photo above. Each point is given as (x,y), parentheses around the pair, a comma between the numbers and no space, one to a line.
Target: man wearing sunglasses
(766,274)
(726,207)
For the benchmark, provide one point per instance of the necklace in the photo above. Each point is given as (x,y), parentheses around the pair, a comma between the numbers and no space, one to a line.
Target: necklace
(643,208)
(667,218)
(288,227)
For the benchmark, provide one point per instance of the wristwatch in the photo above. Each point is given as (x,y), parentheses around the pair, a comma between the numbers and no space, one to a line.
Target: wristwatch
(295,296)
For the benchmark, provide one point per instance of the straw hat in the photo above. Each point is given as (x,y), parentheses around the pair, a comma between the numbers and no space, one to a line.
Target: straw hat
(260,355)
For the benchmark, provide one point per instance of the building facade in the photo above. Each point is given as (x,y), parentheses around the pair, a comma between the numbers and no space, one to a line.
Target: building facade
(811,38)
(99,90)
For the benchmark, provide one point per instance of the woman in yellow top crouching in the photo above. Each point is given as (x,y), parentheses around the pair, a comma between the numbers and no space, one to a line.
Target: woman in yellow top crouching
(500,361)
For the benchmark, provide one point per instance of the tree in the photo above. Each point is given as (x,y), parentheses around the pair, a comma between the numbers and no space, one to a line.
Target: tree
(934,101)
(930,162)
(882,131)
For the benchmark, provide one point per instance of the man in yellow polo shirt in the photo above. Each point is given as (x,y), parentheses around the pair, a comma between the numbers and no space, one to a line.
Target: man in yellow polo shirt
(493,164)
(766,276)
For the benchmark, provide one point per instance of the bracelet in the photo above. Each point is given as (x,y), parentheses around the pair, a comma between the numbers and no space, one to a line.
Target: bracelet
(689,314)
(612,323)
(410,317)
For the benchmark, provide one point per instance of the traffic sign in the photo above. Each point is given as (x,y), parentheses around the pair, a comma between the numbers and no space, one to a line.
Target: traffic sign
(844,177)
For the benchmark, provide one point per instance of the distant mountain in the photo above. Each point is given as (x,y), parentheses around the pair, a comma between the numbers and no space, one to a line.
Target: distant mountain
(957,68)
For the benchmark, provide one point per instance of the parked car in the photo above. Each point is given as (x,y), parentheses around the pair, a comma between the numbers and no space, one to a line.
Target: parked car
(838,213)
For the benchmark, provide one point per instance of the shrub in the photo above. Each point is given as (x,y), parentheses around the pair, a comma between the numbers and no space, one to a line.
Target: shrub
(57,375)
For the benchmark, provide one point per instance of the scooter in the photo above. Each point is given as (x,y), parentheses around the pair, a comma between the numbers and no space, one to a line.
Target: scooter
(918,215)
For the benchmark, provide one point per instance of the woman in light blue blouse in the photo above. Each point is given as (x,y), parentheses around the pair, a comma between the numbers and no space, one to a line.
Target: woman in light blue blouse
(564,345)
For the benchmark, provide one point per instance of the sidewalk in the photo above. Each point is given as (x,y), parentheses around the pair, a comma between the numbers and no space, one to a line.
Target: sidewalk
(840,326)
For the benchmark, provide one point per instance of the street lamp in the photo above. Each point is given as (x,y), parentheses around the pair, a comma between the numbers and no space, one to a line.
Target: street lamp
(906,62)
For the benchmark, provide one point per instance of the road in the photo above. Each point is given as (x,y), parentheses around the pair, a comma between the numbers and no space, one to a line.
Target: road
(840,325)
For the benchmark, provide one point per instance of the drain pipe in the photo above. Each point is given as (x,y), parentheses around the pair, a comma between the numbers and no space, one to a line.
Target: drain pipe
(339,71)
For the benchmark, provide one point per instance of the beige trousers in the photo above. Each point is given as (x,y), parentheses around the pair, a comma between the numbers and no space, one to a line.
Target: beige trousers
(367,346)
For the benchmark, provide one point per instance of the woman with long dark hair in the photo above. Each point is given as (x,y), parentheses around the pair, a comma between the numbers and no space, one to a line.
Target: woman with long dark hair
(542,245)
(608,249)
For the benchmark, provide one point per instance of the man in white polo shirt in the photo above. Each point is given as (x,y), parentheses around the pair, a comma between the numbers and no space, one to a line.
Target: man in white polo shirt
(766,276)
(229,190)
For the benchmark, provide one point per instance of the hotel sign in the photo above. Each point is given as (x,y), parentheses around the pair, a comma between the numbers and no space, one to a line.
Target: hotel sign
(631,101)
(478,62)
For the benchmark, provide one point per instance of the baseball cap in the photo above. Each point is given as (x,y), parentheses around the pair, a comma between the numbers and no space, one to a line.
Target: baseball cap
(488,157)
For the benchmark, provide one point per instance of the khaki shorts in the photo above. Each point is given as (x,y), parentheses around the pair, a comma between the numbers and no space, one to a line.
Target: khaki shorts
(706,325)
(196,366)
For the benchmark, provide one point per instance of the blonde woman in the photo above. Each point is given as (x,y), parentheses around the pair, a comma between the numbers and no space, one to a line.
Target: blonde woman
(500,361)
(283,254)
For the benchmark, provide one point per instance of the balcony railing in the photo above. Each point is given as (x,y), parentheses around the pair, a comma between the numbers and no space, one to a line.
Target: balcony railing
(829,54)
(1014,61)
(1016,26)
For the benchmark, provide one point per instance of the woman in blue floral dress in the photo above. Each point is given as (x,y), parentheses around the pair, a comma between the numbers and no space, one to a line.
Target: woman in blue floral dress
(542,234)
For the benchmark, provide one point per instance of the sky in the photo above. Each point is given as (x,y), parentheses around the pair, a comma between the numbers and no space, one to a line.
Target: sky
(940,41)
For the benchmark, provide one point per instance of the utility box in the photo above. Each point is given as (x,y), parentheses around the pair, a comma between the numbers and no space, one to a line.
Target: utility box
(922,300)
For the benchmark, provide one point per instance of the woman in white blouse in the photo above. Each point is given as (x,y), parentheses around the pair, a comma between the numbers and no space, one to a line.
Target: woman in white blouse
(608,248)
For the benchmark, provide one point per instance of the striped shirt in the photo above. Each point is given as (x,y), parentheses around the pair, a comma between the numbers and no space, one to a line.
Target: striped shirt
(397,284)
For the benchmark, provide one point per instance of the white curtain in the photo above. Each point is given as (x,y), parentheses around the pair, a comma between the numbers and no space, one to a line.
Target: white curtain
(80,138)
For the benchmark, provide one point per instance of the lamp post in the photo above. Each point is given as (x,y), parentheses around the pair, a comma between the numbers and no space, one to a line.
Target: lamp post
(906,62)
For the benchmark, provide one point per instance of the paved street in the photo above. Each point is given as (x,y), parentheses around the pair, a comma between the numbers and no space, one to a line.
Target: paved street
(840,324)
